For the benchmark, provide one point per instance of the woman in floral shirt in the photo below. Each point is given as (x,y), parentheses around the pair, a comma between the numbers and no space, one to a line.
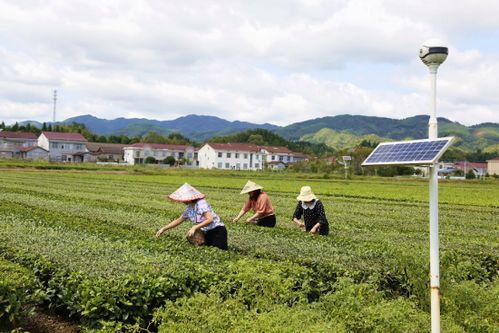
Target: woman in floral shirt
(202,216)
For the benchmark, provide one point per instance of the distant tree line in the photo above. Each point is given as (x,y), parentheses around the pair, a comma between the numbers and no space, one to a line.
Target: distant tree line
(266,138)
(151,137)
(325,159)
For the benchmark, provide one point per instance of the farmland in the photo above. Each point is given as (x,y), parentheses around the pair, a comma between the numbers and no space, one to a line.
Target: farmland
(83,240)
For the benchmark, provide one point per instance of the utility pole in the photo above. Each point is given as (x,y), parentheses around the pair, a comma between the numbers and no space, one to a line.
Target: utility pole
(55,101)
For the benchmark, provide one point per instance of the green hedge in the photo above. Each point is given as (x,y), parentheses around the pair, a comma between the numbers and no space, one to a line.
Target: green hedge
(20,292)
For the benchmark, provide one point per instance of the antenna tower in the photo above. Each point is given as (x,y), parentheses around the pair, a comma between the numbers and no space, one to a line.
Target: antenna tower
(55,101)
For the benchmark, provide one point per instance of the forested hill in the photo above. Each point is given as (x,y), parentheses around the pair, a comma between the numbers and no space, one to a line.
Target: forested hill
(344,130)
(336,131)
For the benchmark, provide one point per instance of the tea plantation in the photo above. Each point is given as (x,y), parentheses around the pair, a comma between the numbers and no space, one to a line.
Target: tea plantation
(80,243)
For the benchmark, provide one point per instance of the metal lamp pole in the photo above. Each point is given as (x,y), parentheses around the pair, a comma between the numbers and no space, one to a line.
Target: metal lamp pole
(432,53)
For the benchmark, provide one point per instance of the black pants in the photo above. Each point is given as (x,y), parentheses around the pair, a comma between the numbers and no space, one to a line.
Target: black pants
(217,237)
(323,230)
(267,221)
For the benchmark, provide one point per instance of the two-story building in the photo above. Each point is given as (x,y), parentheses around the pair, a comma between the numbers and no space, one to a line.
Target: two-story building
(245,156)
(137,153)
(281,154)
(239,156)
(11,143)
(104,152)
(63,147)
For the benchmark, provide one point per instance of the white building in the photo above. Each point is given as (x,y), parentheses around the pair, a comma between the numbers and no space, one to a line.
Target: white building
(281,154)
(239,156)
(63,147)
(245,156)
(137,153)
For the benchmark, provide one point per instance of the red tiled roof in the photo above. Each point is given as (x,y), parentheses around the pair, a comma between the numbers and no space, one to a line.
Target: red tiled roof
(64,136)
(159,146)
(249,147)
(277,149)
(26,149)
(234,146)
(17,135)
(105,148)
(471,165)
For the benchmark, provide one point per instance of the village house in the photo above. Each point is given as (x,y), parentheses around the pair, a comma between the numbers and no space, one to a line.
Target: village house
(137,153)
(276,165)
(34,153)
(63,147)
(245,156)
(479,169)
(280,154)
(239,156)
(104,152)
(493,166)
(11,143)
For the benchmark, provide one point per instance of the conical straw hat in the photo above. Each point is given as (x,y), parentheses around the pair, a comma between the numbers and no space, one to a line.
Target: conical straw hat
(306,194)
(250,187)
(186,193)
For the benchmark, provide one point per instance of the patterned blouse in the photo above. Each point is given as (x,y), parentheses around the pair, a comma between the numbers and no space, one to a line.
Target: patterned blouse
(313,215)
(195,214)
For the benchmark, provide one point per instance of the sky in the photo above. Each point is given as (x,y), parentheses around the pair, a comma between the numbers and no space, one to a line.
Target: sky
(278,62)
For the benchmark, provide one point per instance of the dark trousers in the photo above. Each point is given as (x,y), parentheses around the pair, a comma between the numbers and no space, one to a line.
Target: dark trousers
(217,237)
(267,221)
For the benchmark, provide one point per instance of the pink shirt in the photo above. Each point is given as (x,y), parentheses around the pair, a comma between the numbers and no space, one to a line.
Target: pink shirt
(262,205)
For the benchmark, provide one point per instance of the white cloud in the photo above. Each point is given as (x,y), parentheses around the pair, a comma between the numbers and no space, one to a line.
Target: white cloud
(278,62)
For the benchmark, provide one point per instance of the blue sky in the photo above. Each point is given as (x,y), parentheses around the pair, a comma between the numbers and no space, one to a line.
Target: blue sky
(261,61)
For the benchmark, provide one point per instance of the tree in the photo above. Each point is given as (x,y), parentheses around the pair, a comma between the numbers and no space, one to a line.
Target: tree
(102,138)
(150,160)
(44,126)
(256,139)
(178,139)
(170,160)
(153,137)
(470,174)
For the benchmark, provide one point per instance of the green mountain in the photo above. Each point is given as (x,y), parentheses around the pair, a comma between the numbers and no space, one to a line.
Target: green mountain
(195,127)
(344,129)
(347,129)
(340,140)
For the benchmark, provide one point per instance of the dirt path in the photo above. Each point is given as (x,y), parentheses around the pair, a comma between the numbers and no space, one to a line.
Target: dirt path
(49,323)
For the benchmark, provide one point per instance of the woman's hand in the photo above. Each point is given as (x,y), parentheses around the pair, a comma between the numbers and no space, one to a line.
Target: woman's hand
(191,231)
(315,229)
(235,219)
(250,221)
(160,231)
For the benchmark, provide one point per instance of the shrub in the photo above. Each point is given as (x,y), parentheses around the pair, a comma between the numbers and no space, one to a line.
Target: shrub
(19,292)
(150,160)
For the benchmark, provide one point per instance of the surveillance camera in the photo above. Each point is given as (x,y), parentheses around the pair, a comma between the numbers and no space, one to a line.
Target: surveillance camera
(433,52)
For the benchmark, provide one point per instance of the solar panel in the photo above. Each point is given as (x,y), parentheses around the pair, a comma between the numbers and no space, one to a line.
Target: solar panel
(413,152)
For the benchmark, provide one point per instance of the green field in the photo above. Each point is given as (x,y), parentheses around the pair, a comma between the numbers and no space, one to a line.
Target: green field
(88,238)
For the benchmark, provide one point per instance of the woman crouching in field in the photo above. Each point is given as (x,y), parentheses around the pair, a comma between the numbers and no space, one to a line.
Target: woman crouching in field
(205,222)
(312,210)
(260,203)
